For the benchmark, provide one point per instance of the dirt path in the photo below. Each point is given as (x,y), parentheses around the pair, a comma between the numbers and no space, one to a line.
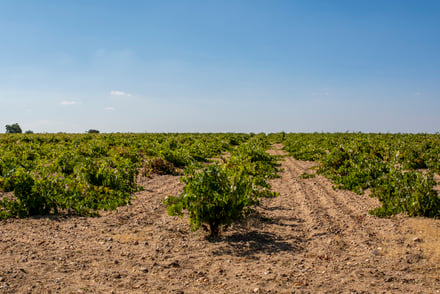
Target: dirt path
(310,239)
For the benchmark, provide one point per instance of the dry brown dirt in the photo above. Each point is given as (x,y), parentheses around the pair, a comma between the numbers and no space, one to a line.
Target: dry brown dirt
(309,239)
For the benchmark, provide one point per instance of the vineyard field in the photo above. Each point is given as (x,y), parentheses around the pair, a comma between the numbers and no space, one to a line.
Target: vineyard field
(399,169)
(81,174)
(322,213)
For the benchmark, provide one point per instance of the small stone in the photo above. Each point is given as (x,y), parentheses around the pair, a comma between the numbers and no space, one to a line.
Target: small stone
(417,239)
(375,252)
(174,264)
(143,269)
(256,290)
(110,239)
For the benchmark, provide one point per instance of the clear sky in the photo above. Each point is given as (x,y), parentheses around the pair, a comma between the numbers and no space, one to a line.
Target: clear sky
(220,66)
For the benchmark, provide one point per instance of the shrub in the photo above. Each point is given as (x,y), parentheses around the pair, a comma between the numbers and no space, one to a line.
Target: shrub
(179,157)
(162,167)
(215,196)
(407,192)
(34,196)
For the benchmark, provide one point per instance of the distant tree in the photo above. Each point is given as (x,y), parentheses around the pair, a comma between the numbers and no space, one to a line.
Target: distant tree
(91,131)
(29,132)
(13,129)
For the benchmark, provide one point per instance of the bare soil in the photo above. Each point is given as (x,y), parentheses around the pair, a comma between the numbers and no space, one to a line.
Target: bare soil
(310,239)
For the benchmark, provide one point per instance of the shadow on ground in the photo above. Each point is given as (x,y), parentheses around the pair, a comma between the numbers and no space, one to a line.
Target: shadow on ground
(248,243)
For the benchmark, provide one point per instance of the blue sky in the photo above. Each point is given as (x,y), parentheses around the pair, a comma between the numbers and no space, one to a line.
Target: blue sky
(220,66)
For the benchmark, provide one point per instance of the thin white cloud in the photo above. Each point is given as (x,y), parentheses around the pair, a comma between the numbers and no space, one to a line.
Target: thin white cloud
(69,102)
(109,108)
(119,93)
(418,94)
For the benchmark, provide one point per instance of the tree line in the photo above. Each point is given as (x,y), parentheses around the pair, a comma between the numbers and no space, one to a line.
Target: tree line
(16,129)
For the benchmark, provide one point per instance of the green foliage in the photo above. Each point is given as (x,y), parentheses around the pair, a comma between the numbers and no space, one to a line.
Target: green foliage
(307,176)
(219,194)
(13,129)
(34,196)
(216,196)
(178,157)
(304,150)
(352,169)
(386,163)
(254,157)
(84,173)
(407,192)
